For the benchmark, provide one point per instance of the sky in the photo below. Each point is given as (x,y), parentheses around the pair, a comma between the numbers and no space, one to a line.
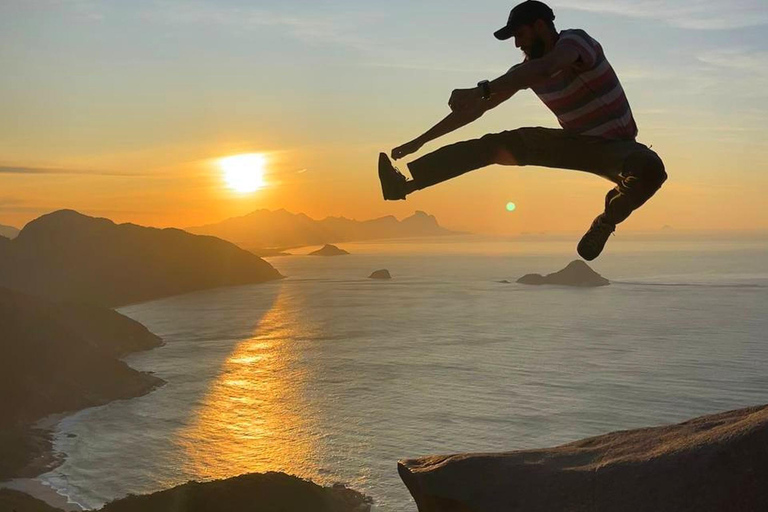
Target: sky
(123,109)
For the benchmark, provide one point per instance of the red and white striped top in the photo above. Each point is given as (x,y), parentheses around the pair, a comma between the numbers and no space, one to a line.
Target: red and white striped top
(587,98)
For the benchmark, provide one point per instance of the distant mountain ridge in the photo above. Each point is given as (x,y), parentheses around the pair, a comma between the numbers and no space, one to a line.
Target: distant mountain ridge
(267,229)
(8,231)
(66,255)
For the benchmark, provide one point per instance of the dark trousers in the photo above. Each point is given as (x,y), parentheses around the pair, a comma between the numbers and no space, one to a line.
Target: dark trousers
(637,171)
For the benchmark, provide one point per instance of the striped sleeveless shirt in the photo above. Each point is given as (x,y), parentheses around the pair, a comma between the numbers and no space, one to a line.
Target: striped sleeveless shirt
(587,98)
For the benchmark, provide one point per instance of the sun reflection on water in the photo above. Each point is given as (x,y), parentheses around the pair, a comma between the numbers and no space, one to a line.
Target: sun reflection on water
(255,417)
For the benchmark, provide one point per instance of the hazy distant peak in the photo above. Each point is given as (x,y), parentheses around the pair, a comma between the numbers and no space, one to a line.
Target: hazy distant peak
(264,229)
(8,231)
(385,217)
(421,218)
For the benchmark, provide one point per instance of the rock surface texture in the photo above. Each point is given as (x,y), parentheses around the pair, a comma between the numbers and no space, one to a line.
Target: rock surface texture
(576,273)
(708,464)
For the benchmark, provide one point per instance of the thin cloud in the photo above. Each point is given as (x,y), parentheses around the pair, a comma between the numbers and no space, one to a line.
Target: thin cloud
(738,59)
(84,10)
(312,27)
(46,170)
(424,66)
(689,14)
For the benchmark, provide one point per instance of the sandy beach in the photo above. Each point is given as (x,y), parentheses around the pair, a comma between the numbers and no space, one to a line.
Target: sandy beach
(41,491)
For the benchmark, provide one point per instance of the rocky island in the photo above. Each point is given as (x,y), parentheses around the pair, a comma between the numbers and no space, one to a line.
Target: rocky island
(329,250)
(380,274)
(708,464)
(576,273)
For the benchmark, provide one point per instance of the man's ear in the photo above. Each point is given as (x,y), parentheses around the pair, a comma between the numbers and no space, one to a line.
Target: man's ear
(541,27)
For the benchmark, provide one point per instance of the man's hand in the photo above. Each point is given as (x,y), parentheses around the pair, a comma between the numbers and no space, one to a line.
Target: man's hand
(406,149)
(465,99)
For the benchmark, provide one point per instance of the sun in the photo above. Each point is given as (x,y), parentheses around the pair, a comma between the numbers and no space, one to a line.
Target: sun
(244,173)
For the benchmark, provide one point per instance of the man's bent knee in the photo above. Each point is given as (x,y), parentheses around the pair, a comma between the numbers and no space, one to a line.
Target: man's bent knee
(647,167)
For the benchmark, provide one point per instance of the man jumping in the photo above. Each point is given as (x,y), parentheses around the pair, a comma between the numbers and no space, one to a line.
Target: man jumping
(569,72)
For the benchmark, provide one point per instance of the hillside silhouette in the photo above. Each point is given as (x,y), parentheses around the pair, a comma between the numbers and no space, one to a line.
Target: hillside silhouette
(69,256)
(57,357)
(265,229)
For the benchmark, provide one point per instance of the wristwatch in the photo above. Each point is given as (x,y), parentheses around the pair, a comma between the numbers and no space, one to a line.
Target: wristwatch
(485,88)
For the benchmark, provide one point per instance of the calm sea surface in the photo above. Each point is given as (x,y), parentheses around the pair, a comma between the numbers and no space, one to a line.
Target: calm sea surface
(332,376)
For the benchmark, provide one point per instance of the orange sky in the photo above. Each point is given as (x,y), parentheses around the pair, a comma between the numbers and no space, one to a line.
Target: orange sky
(130,128)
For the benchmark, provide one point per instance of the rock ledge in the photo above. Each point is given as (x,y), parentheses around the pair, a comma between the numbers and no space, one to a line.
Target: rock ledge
(708,464)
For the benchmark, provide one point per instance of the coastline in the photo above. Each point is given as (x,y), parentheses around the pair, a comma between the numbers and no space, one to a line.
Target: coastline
(37,489)
(45,458)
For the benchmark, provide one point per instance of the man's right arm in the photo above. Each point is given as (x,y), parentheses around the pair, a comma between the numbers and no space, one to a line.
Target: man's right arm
(451,122)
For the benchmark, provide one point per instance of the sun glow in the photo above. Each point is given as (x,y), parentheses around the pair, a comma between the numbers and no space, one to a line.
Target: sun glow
(244,173)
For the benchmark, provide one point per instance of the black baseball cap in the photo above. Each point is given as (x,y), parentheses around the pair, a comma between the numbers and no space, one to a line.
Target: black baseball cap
(524,14)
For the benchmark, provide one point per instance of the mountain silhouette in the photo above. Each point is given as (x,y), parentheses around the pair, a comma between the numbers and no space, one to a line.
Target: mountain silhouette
(265,229)
(70,256)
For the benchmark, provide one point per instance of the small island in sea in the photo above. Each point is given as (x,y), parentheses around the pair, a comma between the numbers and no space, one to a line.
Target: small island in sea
(380,274)
(576,273)
(329,250)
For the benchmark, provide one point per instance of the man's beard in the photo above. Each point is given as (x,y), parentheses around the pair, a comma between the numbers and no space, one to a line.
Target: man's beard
(536,50)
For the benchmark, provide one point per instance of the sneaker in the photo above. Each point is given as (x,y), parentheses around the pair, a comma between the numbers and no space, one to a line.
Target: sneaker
(593,241)
(392,180)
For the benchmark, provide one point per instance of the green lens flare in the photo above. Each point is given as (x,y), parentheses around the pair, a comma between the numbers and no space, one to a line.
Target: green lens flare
(511,207)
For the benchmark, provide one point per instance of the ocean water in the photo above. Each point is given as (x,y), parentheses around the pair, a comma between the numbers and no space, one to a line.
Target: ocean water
(332,376)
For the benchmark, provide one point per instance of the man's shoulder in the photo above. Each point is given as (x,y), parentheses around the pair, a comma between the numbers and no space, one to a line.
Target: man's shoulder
(577,34)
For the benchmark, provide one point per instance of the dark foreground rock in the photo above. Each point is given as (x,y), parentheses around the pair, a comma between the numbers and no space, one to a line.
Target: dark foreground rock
(65,255)
(576,273)
(708,464)
(54,358)
(268,492)
(329,250)
(380,274)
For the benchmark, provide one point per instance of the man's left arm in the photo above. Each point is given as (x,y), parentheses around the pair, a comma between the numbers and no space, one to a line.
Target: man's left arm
(519,77)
